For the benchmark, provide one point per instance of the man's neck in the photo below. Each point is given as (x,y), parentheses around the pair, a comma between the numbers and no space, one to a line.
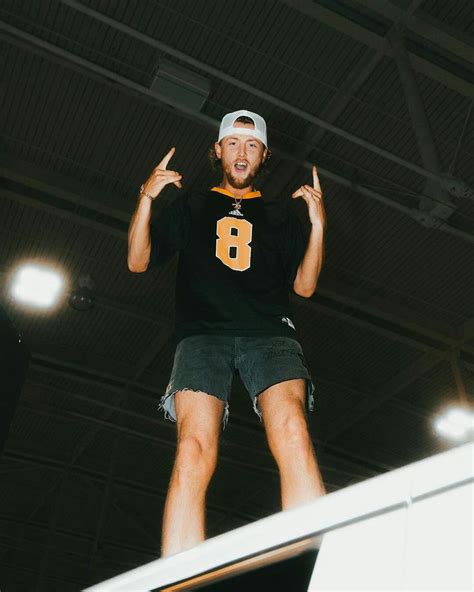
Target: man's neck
(237,192)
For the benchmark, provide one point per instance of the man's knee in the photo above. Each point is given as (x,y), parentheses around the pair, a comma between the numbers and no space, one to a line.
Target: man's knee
(287,429)
(196,457)
(295,431)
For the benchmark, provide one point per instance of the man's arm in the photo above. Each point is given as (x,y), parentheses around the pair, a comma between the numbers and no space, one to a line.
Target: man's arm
(139,239)
(309,269)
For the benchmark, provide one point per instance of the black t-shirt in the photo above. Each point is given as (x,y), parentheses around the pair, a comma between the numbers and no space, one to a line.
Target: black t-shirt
(234,272)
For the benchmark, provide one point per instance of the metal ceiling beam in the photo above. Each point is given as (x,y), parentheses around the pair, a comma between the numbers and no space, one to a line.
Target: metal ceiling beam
(115,503)
(133,521)
(314,134)
(462,135)
(436,32)
(100,379)
(439,350)
(387,390)
(78,535)
(393,386)
(382,394)
(160,424)
(334,295)
(234,81)
(466,332)
(345,94)
(84,442)
(72,60)
(8,565)
(116,428)
(63,196)
(375,40)
(391,316)
(52,529)
(98,477)
(441,207)
(458,379)
(147,358)
(352,85)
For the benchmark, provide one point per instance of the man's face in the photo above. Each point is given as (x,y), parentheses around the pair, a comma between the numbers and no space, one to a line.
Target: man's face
(241,157)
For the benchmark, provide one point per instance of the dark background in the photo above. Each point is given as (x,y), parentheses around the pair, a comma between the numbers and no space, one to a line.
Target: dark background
(379,96)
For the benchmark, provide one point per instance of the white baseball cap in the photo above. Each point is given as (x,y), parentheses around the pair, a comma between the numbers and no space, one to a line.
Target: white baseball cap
(227,126)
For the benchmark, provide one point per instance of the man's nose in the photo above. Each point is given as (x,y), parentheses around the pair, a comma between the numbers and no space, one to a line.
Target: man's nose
(242,150)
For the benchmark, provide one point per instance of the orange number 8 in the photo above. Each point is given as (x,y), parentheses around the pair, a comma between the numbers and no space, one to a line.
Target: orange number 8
(240,241)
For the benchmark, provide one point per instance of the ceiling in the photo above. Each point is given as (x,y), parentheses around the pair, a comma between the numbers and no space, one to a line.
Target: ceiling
(378,94)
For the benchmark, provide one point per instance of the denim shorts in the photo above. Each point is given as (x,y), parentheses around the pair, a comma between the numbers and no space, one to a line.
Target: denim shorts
(208,363)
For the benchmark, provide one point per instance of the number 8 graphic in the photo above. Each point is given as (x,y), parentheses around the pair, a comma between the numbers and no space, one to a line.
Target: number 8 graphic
(233,249)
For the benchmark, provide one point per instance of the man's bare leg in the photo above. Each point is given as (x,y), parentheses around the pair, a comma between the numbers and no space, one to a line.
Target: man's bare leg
(199,419)
(282,406)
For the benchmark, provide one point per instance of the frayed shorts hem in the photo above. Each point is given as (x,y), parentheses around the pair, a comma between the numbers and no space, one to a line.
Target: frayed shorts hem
(167,402)
(167,405)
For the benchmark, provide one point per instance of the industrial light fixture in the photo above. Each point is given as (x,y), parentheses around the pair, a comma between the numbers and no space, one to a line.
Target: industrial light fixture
(37,285)
(455,423)
(82,297)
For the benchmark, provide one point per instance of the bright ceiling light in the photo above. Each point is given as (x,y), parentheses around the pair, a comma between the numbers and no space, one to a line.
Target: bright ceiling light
(455,423)
(37,285)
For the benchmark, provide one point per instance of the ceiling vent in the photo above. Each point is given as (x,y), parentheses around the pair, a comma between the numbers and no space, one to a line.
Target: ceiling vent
(181,86)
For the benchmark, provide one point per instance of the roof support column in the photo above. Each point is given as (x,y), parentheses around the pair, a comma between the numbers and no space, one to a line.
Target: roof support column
(458,379)
(435,206)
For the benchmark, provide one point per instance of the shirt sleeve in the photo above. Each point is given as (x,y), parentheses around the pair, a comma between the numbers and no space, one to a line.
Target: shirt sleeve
(294,247)
(169,232)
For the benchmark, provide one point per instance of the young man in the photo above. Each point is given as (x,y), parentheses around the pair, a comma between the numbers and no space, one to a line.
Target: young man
(239,257)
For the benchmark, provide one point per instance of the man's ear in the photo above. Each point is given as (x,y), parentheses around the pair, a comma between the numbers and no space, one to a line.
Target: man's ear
(265,154)
(218,149)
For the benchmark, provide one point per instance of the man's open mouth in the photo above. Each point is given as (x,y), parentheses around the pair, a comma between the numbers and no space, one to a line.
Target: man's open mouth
(241,166)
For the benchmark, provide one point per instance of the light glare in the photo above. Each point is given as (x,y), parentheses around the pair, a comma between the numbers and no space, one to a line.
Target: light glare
(37,285)
(455,423)
(460,417)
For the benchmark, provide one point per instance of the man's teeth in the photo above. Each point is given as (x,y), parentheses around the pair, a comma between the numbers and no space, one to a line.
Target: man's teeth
(241,165)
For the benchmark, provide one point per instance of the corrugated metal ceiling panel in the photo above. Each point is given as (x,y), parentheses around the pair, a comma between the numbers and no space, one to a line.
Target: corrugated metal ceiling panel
(457,14)
(376,436)
(432,391)
(342,351)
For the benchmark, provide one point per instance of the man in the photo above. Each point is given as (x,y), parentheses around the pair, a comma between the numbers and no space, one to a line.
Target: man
(239,257)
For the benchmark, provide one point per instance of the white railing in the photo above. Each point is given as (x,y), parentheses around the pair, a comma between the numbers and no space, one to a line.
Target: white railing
(411,528)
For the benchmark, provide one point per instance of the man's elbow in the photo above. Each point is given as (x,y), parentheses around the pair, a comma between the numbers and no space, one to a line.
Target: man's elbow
(304,292)
(136,267)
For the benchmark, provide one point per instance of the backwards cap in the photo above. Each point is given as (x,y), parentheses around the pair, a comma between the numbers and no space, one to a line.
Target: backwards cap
(228,121)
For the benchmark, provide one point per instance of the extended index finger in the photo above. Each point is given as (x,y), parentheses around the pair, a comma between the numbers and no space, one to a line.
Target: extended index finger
(316,183)
(164,163)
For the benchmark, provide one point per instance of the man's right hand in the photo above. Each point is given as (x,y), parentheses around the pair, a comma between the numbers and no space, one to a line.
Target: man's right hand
(160,177)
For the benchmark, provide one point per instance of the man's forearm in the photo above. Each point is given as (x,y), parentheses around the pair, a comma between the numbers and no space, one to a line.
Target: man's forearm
(310,267)
(139,240)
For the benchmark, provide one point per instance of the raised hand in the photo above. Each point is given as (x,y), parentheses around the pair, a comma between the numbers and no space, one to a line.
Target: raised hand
(160,177)
(313,197)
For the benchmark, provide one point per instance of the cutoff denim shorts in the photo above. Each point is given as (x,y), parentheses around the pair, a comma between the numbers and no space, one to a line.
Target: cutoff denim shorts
(208,363)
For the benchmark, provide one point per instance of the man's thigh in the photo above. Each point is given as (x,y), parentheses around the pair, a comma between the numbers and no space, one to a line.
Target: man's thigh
(275,366)
(199,414)
(282,401)
(202,373)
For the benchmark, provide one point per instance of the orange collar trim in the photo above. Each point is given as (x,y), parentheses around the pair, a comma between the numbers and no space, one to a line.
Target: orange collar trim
(249,195)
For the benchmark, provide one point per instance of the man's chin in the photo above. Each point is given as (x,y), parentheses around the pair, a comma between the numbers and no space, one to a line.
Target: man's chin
(240,182)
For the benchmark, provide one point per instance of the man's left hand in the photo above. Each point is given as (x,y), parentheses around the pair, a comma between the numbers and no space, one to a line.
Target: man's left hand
(313,197)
